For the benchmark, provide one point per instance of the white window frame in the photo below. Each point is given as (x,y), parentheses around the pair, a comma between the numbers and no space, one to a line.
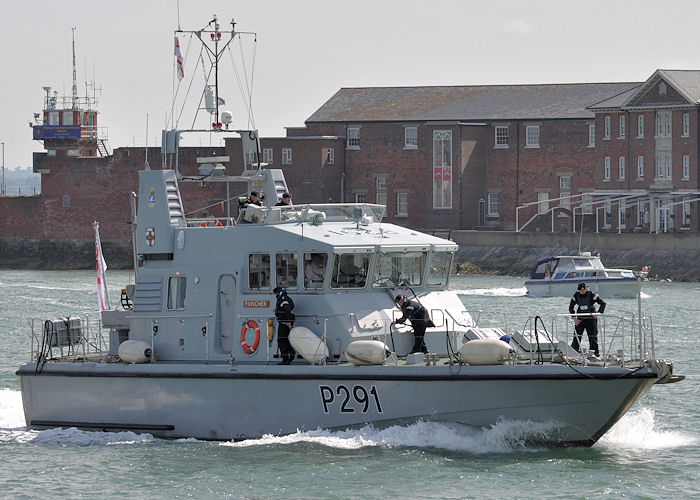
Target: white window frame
(621,212)
(442,167)
(622,129)
(330,156)
(542,202)
(564,191)
(361,197)
(640,212)
(685,216)
(353,141)
(492,204)
(268,155)
(640,168)
(67,118)
(686,168)
(532,136)
(640,126)
(606,127)
(621,168)
(606,169)
(686,125)
(663,124)
(410,138)
(500,136)
(607,214)
(402,204)
(286,156)
(591,136)
(380,189)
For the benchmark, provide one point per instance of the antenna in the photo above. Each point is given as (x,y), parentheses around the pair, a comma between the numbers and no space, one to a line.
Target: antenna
(146,165)
(75,77)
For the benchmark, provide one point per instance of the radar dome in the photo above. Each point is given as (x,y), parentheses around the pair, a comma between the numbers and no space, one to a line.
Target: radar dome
(226,117)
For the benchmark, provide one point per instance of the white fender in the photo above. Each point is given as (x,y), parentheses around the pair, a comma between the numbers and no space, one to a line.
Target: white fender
(367,352)
(135,351)
(307,343)
(484,352)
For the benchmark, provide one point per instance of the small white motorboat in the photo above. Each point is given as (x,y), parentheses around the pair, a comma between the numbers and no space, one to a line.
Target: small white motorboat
(557,276)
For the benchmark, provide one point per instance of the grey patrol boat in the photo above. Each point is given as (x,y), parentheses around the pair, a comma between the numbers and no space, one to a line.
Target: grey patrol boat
(193,350)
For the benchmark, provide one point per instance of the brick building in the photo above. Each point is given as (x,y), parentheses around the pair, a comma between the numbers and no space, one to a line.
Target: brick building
(617,156)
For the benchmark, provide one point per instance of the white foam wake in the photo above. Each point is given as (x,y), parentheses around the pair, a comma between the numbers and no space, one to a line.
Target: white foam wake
(494,292)
(638,430)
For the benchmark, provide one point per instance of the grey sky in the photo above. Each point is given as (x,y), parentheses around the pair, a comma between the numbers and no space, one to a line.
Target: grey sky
(308,49)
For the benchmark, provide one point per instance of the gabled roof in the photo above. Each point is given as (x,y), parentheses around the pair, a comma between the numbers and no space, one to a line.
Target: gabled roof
(686,83)
(467,103)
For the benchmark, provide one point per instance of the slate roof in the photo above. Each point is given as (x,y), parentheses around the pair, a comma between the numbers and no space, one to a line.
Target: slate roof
(467,103)
(686,82)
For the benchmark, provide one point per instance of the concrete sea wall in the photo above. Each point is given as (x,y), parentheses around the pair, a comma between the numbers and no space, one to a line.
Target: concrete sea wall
(673,256)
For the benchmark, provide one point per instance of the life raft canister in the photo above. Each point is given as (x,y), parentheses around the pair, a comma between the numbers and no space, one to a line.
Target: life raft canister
(247,348)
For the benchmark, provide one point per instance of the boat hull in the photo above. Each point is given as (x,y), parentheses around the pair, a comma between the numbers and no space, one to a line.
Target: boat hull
(618,287)
(223,402)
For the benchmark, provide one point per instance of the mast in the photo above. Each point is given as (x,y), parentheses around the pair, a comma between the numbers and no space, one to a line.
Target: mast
(75,77)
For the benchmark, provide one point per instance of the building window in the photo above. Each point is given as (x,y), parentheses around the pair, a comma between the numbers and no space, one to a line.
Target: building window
(606,169)
(606,130)
(622,215)
(67,118)
(564,190)
(380,185)
(492,204)
(686,124)
(532,136)
(66,201)
(641,211)
(53,117)
(607,215)
(663,167)
(501,137)
(267,156)
(353,138)
(177,288)
(542,202)
(402,204)
(663,124)
(258,271)
(686,167)
(410,140)
(442,169)
(623,127)
(640,168)
(621,168)
(591,136)
(361,197)
(640,126)
(330,158)
(686,211)
(287,267)
(286,156)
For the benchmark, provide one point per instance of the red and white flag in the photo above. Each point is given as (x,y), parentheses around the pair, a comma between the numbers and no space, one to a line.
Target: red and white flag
(179,61)
(102,296)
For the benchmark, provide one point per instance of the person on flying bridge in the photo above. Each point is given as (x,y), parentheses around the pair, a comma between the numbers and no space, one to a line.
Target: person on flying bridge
(586,301)
(420,320)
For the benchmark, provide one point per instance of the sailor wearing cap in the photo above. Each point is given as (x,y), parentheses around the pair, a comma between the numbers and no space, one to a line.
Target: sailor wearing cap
(586,300)
(420,320)
(254,199)
(285,201)
(285,319)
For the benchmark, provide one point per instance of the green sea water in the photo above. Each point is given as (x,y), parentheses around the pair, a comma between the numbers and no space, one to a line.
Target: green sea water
(653,452)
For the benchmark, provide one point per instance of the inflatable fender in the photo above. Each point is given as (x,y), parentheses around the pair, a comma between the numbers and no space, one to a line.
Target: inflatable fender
(135,351)
(308,344)
(367,352)
(484,352)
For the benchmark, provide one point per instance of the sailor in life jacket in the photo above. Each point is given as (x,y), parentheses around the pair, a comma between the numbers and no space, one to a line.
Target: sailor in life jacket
(586,301)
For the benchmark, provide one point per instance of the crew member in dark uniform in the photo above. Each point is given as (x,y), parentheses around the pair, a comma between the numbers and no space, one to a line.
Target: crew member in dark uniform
(286,201)
(285,319)
(586,300)
(420,320)
(254,199)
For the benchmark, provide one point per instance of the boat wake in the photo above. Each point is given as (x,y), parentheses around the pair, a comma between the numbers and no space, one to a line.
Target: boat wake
(494,292)
(637,430)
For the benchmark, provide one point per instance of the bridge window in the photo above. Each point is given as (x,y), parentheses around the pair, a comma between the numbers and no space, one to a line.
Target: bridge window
(399,269)
(287,268)
(439,268)
(259,271)
(350,271)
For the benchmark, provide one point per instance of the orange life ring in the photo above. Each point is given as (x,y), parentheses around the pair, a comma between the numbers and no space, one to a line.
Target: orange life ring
(248,349)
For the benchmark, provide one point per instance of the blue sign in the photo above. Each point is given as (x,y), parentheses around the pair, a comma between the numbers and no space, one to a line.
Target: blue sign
(56,132)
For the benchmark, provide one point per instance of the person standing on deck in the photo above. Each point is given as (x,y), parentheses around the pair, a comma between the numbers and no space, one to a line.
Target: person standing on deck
(586,300)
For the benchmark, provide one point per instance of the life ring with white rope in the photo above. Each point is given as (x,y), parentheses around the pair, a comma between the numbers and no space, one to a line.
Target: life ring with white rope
(247,348)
